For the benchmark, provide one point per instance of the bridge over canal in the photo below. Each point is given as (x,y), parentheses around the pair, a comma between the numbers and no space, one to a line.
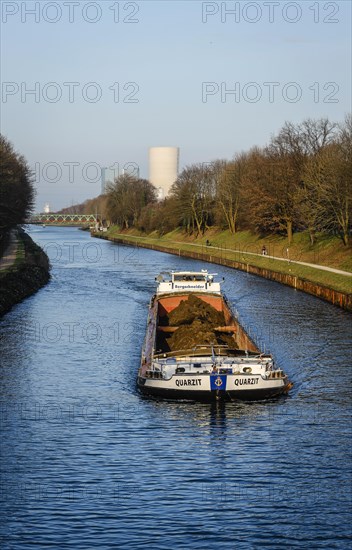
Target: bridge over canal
(63,219)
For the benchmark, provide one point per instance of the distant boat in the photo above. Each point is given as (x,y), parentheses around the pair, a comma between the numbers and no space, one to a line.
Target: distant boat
(43,225)
(220,361)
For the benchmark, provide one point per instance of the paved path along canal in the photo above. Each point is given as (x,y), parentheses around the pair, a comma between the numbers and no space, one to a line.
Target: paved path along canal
(88,463)
(9,256)
(244,251)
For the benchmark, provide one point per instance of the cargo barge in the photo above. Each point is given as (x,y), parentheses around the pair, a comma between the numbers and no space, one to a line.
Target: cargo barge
(195,348)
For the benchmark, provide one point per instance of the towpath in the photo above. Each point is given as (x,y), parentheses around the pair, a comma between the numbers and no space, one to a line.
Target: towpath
(9,256)
(315,266)
(211,247)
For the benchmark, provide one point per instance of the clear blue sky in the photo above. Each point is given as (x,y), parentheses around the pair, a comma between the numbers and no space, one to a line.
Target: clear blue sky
(169,49)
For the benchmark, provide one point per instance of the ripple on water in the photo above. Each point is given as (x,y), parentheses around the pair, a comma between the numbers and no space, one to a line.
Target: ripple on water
(87,462)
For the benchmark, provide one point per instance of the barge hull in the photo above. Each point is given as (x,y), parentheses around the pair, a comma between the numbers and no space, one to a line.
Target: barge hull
(210,396)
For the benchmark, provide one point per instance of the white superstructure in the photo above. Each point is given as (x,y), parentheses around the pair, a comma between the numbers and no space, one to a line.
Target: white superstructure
(187,281)
(163,168)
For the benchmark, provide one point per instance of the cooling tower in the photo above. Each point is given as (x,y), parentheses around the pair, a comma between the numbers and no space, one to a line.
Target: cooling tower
(163,168)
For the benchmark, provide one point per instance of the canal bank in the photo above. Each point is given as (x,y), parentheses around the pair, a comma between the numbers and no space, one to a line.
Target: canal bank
(24,269)
(289,273)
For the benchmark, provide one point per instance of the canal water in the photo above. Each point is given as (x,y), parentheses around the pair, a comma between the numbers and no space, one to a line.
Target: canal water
(88,463)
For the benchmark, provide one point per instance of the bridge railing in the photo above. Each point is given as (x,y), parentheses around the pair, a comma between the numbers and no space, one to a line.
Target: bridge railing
(62,219)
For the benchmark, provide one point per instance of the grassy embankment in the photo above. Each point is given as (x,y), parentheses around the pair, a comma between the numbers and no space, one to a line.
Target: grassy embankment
(327,251)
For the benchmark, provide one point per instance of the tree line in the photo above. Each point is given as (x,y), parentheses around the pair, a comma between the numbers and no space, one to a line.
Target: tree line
(300,181)
(16,189)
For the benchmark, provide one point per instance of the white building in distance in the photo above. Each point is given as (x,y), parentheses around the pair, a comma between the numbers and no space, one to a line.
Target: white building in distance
(47,208)
(163,168)
(108,175)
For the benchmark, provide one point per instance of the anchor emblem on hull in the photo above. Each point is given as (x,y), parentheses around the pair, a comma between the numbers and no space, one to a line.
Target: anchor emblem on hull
(218,381)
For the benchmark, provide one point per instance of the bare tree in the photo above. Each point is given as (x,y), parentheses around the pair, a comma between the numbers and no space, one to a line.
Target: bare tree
(328,177)
(126,198)
(290,151)
(228,191)
(194,193)
(316,134)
